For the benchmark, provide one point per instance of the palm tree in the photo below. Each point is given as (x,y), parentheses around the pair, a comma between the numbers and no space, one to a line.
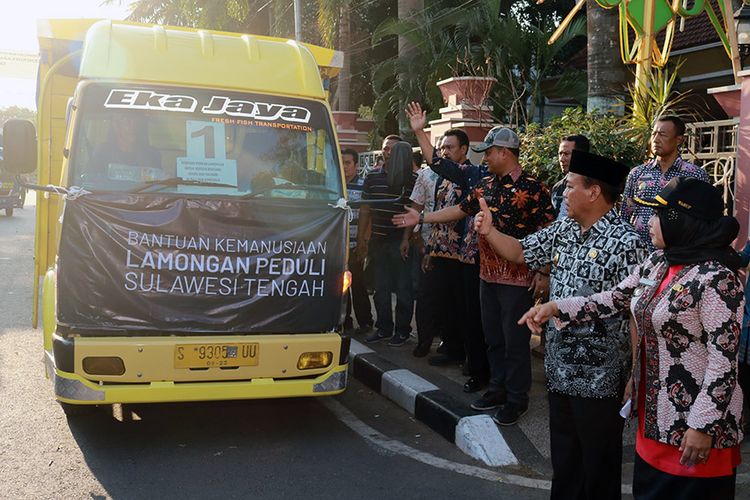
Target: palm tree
(407,9)
(334,21)
(251,16)
(607,75)
(411,75)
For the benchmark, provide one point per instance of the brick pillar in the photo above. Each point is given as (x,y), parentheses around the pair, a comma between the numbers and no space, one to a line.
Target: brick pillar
(742,165)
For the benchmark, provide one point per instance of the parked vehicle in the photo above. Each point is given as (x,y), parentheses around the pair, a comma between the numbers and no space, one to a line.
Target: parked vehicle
(200,251)
(12,192)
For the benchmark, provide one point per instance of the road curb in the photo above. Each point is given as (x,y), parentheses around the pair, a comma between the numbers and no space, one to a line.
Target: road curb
(475,435)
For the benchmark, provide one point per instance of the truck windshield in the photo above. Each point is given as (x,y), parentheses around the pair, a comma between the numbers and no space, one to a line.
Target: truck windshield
(219,143)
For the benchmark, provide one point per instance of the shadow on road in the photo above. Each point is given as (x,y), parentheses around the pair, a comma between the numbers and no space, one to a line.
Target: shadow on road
(207,450)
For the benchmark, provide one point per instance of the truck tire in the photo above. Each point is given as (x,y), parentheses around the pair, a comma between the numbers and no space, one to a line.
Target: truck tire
(9,212)
(77,410)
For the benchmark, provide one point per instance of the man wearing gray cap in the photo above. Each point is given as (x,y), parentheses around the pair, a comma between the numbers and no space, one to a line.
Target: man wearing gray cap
(520,205)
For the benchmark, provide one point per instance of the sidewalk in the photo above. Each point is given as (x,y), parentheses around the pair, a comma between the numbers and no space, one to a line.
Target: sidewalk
(528,440)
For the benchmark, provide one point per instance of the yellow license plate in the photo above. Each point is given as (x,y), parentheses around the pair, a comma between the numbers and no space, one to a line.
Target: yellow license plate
(215,355)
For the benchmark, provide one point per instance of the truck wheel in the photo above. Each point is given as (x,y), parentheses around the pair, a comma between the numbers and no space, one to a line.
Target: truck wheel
(77,410)
(9,212)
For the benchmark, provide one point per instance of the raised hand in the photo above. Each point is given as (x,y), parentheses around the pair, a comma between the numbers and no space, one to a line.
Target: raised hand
(417,117)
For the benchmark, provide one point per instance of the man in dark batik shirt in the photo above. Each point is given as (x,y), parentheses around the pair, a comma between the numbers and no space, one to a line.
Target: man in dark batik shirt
(588,366)
(454,277)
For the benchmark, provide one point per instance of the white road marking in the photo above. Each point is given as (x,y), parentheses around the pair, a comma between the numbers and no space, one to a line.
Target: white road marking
(383,441)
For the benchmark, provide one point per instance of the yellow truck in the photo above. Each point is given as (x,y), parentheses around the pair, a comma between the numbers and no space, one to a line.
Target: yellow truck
(191,242)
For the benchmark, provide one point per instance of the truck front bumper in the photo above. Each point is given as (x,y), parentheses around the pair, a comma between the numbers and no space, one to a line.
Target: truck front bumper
(71,388)
(151,376)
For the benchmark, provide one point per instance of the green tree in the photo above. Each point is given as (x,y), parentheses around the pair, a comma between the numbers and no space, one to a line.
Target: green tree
(657,97)
(412,75)
(247,16)
(334,24)
(478,38)
(516,52)
(609,135)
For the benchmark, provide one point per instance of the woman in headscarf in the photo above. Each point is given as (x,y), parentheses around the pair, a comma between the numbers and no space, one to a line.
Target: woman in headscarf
(399,167)
(687,303)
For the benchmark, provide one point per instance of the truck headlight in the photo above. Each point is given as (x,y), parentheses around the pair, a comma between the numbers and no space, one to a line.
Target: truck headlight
(311,360)
(103,365)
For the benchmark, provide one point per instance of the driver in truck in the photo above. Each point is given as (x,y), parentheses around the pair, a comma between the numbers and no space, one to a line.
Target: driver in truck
(126,147)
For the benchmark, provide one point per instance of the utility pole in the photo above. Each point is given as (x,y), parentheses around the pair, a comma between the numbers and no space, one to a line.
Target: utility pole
(298,20)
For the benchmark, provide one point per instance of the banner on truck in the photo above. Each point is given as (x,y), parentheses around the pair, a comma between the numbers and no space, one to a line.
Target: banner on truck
(161,264)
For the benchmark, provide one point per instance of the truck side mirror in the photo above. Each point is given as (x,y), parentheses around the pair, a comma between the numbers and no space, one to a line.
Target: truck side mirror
(19,152)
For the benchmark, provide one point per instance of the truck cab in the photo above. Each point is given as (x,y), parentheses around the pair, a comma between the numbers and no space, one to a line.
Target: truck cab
(199,252)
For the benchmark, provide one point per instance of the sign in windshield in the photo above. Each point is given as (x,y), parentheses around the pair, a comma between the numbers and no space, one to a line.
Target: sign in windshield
(219,143)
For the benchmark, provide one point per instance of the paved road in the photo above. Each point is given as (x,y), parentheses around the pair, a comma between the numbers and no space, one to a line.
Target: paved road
(354,445)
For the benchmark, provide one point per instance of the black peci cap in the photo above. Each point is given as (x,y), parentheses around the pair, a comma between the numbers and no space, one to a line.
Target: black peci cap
(690,196)
(598,167)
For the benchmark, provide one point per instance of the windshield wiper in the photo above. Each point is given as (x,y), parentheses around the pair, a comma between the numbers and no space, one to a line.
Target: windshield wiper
(177,181)
(290,186)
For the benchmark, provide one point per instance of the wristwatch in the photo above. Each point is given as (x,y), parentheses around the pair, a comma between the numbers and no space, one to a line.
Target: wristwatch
(421,218)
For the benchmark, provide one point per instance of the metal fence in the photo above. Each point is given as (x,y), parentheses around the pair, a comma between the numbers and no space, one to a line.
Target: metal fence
(713,145)
(367,161)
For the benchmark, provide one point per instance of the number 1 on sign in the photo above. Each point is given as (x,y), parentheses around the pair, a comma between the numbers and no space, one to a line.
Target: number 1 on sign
(205,140)
(207,133)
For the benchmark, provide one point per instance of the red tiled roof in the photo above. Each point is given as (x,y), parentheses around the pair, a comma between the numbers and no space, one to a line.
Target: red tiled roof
(698,30)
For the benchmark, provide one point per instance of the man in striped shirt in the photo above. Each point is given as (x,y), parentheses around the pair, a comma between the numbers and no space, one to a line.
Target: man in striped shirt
(358,298)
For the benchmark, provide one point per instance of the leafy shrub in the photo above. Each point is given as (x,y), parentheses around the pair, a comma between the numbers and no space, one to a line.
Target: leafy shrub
(609,136)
